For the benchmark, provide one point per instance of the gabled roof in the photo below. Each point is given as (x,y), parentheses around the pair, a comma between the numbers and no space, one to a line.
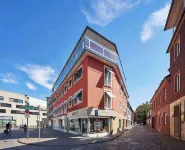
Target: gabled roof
(167,78)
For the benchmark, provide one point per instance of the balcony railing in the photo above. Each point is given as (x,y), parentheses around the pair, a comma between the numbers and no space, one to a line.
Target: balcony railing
(86,44)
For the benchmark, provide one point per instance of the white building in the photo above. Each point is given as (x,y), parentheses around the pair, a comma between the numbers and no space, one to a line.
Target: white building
(12,109)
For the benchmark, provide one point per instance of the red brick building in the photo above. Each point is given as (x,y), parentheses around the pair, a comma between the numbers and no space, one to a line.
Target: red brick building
(90,81)
(175,83)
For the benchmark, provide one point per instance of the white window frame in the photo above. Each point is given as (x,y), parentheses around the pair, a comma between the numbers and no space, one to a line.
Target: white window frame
(165,119)
(106,67)
(80,77)
(71,83)
(81,90)
(165,94)
(64,89)
(178,84)
(70,99)
(120,105)
(175,51)
(110,98)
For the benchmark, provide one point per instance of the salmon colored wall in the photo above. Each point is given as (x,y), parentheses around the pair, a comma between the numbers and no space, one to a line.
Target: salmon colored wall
(96,86)
(81,84)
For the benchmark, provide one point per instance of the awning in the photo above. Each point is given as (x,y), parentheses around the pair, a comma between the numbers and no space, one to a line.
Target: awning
(110,94)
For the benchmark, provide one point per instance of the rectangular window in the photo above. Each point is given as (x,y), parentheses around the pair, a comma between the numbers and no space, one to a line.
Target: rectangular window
(5,105)
(16,112)
(164,94)
(177,82)
(78,97)
(65,106)
(78,75)
(176,50)
(1,98)
(34,113)
(108,77)
(119,123)
(69,83)
(120,105)
(160,99)
(20,106)
(44,114)
(107,101)
(15,100)
(70,100)
(2,110)
(165,118)
(65,89)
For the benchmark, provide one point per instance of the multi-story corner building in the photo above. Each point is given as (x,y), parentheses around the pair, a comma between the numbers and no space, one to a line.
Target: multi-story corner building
(160,107)
(172,110)
(90,80)
(12,109)
(149,118)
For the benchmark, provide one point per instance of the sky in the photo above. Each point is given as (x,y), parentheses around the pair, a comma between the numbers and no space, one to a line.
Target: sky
(37,37)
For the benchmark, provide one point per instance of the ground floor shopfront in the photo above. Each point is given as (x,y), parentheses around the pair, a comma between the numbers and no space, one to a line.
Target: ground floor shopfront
(177,118)
(86,123)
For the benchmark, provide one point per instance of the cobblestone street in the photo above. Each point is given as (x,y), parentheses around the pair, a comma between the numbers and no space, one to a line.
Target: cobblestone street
(138,138)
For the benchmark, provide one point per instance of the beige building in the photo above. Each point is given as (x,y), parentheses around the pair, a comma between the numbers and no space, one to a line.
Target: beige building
(12,109)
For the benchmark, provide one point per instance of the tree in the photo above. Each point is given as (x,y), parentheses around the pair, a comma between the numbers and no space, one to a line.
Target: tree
(141,112)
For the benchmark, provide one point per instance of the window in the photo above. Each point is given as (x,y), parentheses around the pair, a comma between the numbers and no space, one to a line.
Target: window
(15,100)
(107,100)
(65,106)
(70,100)
(108,77)
(164,94)
(1,98)
(78,75)
(69,83)
(65,89)
(34,113)
(44,114)
(16,112)
(78,97)
(160,99)
(120,105)
(61,93)
(176,50)
(165,118)
(20,106)
(177,82)
(119,123)
(2,110)
(5,105)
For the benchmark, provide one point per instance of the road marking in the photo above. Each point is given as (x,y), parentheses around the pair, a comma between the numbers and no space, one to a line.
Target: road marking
(77,148)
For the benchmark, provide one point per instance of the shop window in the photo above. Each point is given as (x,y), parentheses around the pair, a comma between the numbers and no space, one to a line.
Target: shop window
(75,125)
(1,98)
(99,125)
(108,76)
(119,123)
(176,50)
(107,100)
(78,75)
(70,83)
(70,100)
(78,97)
(177,82)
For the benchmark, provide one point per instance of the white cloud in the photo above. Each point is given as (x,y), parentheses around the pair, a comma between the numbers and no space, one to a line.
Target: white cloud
(43,75)
(31,86)
(8,78)
(155,20)
(105,11)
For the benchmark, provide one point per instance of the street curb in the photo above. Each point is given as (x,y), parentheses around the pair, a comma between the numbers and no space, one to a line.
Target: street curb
(89,143)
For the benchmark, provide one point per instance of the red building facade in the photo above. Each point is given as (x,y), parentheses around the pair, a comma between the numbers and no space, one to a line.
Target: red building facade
(89,95)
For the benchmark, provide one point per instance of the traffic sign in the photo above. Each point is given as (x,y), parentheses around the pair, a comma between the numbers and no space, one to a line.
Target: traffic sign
(96,112)
(27,111)
(27,115)
(29,107)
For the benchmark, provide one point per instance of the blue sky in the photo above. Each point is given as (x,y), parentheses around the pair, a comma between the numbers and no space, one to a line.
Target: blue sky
(37,37)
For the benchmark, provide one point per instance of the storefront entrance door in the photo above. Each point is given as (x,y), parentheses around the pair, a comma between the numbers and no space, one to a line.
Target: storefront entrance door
(177,128)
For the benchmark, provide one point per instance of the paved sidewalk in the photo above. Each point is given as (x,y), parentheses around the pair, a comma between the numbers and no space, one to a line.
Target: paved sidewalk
(58,138)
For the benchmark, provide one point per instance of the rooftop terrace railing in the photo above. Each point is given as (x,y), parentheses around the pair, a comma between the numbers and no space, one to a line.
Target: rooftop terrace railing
(86,43)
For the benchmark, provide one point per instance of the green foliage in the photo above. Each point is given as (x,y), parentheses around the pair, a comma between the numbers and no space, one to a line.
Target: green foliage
(141,112)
